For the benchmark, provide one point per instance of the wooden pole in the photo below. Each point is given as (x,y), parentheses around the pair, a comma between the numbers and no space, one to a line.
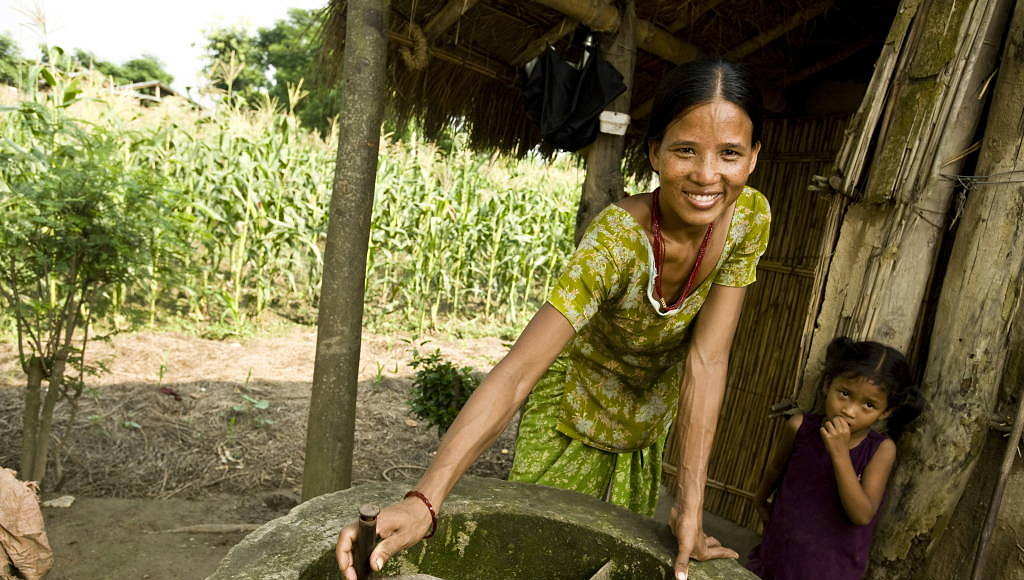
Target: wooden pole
(603,183)
(331,426)
(981,294)
(882,265)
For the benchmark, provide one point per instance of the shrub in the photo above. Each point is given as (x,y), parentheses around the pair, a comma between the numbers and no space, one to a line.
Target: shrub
(440,389)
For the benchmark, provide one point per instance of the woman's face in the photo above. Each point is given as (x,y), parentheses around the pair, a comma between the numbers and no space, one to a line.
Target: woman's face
(704,161)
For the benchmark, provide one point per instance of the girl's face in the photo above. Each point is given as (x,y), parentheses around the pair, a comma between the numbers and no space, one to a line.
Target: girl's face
(857,400)
(704,161)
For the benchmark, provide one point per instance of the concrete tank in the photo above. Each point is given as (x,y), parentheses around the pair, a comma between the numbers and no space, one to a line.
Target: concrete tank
(488,529)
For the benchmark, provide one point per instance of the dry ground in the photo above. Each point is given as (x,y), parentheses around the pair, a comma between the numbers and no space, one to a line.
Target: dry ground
(140,460)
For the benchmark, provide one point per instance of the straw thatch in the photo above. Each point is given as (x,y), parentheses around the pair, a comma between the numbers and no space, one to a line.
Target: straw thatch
(466,74)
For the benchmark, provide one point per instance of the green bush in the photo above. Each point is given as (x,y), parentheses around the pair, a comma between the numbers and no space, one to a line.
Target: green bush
(440,389)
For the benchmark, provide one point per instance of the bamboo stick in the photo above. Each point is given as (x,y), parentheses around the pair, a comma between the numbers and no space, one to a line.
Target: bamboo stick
(1012,448)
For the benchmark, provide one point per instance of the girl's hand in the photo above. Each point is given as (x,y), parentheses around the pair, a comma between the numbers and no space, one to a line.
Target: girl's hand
(694,544)
(835,432)
(399,525)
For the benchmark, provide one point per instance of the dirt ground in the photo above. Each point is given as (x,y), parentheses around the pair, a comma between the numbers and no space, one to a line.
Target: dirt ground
(185,431)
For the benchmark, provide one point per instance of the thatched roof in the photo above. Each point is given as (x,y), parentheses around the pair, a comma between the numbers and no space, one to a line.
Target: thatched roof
(472,60)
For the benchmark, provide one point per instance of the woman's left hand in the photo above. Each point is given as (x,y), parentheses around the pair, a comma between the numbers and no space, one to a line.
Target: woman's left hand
(693,543)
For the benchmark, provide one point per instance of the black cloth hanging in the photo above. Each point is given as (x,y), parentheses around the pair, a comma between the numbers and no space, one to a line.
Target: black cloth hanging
(566,100)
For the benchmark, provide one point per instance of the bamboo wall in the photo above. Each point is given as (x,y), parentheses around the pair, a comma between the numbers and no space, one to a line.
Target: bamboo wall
(766,354)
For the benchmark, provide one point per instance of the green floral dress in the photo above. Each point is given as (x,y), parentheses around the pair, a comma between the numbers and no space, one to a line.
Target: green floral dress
(597,421)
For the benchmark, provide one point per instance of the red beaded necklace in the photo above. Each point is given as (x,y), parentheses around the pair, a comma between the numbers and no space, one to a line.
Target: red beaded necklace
(659,256)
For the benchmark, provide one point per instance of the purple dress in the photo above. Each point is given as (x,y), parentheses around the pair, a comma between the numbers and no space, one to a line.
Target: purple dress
(809,536)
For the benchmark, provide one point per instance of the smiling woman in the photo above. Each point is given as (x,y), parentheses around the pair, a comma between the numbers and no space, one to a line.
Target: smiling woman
(618,353)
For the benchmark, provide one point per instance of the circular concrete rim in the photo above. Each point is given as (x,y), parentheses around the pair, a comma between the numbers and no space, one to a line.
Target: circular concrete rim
(286,547)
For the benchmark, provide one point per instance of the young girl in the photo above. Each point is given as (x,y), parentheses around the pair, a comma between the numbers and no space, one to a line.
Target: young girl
(828,472)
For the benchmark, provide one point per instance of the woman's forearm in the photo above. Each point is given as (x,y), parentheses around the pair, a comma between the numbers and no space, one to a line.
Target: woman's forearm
(699,404)
(484,417)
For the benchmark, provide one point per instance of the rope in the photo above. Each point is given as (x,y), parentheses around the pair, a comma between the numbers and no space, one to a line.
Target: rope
(417,58)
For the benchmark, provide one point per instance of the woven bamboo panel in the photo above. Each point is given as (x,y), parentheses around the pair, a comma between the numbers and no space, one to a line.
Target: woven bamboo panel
(764,367)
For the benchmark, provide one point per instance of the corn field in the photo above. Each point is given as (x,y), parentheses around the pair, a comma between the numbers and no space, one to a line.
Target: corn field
(455,235)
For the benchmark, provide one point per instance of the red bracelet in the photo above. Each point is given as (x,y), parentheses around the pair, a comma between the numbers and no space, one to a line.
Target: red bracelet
(433,514)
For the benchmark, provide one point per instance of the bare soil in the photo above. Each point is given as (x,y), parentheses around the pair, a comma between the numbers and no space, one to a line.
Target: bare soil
(184,431)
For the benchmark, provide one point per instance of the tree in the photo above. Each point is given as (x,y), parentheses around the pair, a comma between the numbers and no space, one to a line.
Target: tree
(76,221)
(235,64)
(145,68)
(273,61)
(10,59)
(137,70)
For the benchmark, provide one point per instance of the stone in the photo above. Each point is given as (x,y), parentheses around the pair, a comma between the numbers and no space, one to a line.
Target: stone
(488,528)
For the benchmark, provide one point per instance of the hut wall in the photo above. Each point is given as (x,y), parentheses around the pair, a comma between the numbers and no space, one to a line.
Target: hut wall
(765,364)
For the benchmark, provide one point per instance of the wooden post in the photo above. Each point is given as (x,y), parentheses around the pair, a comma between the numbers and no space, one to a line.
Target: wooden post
(982,291)
(603,183)
(332,408)
(882,265)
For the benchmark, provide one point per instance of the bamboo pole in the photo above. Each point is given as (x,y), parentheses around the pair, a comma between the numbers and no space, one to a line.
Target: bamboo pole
(603,183)
(882,265)
(982,291)
(331,426)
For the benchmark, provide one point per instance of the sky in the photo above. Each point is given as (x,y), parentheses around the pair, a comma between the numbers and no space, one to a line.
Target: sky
(119,30)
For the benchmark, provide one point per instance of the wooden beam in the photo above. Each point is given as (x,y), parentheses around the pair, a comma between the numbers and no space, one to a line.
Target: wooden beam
(599,15)
(604,17)
(471,62)
(660,42)
(762,40)
(446,17)
(827,62)
(553,35)
(690,13)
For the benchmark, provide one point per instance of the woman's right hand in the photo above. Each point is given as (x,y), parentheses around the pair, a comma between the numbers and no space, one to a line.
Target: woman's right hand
(400,526)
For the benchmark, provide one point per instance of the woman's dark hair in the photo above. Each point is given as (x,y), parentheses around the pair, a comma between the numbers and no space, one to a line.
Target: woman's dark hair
(884,366)
(702,81)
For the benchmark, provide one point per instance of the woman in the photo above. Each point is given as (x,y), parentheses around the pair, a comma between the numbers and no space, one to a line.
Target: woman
(618,351)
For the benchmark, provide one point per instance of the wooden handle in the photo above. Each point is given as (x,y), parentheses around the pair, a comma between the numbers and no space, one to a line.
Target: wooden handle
(365,541)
